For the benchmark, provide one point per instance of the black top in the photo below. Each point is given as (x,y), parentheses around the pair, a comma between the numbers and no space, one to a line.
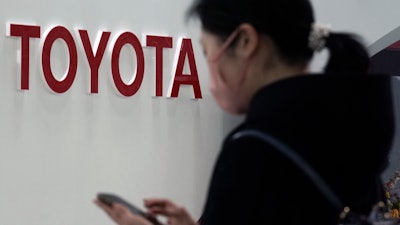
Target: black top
(342,125)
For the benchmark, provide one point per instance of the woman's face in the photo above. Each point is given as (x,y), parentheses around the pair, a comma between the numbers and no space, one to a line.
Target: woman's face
(225,71)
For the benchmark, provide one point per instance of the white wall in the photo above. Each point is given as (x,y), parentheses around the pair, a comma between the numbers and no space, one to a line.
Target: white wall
(58,150)
(372,19)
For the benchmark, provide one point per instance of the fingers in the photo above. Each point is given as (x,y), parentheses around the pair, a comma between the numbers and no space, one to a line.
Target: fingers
(150,202)
(165,207)
(104,207)
(160,206)
(116,211)
(156,206)
(121,215)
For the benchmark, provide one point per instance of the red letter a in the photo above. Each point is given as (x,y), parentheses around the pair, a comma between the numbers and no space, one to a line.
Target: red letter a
(186,79)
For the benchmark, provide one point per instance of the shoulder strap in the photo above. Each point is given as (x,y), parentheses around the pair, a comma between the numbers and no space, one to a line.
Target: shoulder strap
(345,214)
(297,159)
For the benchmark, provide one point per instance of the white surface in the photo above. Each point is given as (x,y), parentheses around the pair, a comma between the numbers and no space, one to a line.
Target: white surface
(58,150)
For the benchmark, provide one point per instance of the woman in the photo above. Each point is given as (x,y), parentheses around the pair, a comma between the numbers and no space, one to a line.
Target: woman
(340,121)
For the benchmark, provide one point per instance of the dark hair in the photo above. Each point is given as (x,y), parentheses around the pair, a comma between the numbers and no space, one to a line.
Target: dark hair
(288,23)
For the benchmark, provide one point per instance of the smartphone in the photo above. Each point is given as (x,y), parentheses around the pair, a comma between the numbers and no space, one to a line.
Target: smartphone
(109,199)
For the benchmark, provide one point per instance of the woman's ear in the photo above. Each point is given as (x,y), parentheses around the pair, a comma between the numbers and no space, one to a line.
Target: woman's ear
(248,40)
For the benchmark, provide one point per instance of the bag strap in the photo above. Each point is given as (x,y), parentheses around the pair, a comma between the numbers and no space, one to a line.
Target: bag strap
(324,188)
(298,160)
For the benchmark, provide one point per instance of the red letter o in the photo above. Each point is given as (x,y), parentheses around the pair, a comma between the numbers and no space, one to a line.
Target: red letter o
(54,84)
(124,89)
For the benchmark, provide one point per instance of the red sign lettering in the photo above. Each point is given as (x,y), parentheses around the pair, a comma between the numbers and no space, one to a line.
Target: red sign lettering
(94,56)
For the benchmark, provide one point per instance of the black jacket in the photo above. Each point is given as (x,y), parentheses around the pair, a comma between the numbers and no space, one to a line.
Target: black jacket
(342,125)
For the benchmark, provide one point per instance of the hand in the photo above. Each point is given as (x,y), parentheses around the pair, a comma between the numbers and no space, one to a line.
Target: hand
(176,215)
(121,214)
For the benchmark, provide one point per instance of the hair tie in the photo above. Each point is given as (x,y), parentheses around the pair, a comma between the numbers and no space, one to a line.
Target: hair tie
(317,36)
